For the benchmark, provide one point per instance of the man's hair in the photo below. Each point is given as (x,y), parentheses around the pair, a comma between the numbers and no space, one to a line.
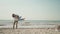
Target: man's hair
(13,15)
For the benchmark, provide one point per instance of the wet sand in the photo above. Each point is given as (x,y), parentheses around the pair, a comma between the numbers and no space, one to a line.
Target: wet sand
(28,31)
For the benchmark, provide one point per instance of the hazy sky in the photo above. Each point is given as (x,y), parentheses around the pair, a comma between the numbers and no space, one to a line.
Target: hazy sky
(30,9)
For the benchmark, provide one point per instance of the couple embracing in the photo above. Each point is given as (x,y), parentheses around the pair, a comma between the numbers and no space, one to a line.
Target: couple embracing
(16,19)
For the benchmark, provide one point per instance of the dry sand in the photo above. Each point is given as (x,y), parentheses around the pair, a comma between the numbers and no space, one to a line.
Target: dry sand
(28,31)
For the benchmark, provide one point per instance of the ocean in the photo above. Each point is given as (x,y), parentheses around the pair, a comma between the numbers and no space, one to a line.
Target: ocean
(29,23)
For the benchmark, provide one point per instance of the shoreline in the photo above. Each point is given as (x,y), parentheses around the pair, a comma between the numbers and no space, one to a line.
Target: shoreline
(34,26)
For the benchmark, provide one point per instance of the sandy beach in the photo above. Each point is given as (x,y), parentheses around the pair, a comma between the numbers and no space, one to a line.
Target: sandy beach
(27,28)
(28,31)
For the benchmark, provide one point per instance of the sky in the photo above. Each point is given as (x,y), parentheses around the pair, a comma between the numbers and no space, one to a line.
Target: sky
(30,9)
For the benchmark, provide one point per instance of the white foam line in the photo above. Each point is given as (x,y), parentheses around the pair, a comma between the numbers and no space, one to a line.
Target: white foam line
(35,26)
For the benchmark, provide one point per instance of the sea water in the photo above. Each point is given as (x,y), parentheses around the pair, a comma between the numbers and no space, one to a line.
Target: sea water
(29,23)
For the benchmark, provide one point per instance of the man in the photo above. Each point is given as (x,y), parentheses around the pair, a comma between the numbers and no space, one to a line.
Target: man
(16,18)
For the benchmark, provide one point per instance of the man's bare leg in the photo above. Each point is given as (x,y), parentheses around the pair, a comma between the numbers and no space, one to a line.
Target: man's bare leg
(16,24)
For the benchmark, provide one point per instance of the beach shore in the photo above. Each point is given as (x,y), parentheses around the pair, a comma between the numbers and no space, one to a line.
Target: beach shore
(28,31)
